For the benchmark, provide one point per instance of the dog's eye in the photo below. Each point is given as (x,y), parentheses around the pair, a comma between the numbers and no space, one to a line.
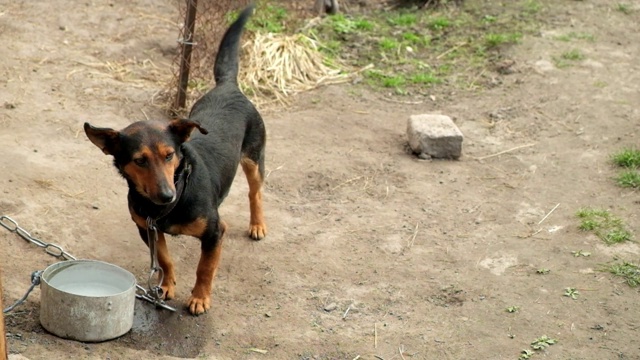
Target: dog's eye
(169,156)
(140,162)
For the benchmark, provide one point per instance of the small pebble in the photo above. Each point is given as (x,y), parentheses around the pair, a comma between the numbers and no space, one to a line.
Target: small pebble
(331,307)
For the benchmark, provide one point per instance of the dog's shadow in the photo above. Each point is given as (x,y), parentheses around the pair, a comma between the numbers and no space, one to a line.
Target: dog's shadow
(167,333)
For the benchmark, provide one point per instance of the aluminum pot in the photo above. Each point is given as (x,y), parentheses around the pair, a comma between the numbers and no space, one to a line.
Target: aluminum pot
(87,300)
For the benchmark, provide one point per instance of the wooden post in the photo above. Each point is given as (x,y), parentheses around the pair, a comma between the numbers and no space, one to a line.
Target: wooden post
(187,47)
(3,336)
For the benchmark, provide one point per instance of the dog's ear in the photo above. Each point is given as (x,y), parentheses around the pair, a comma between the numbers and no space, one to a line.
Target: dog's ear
(106,139)
(183,128)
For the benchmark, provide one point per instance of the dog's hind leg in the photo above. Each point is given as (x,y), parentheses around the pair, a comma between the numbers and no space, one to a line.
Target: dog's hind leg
(164,260)
(254,171)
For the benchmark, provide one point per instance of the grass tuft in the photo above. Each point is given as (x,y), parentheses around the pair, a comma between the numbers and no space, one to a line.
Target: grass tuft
(606,226)
(629,178)
(573,55)
(575,36)
(623,8)
(403,19)
(629,158)
(495,40)
(439,23)
(628,271)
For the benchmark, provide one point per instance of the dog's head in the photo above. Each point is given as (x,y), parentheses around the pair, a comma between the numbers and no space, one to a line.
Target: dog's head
(147,154)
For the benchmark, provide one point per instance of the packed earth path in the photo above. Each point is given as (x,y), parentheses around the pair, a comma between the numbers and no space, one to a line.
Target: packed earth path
(372,253)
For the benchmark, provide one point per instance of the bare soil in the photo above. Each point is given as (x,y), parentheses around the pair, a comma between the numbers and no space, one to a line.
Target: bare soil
(420,258)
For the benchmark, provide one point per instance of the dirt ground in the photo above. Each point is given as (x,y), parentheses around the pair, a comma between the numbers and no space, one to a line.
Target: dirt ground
(420,258)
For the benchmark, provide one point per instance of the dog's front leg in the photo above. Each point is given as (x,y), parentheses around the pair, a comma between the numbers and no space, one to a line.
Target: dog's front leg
(211,249)
(164,260)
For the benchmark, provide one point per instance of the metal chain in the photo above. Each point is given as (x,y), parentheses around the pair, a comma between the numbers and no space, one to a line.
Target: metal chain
(152,240)
(50,248)
(58,252)
(35,281)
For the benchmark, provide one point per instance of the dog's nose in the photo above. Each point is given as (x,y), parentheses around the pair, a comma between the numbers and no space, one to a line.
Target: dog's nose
(166,196)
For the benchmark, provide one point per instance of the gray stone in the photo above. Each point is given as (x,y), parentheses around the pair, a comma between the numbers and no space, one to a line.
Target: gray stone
(434,135)
(331,307)
(543,66)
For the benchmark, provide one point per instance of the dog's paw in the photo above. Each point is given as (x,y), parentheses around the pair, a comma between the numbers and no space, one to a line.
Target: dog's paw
(168,288)
(169,291)
(258,231)
(199,305)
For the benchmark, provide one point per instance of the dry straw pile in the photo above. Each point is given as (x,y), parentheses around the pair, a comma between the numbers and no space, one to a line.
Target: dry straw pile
(276,66)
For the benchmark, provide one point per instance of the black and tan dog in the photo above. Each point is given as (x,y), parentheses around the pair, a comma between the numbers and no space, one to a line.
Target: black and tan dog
(180,180)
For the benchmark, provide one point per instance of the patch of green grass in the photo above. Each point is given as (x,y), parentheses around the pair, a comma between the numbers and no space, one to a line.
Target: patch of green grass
(562,37)
(624,8)
(606,226)
(628,178)
(573,55)
(404,19)
(387,81)
(567,58)
(267,18)
(393,81)
(363,24)
(543,271)
(414,39)
(532,7)
(513,309)
(342,24)
(561,63)
(489,19)
(616,236)
(629,158)
(425,79)
(628,271)
(495,40)
(457,45)
(439,23)
(388,44)
(600,84)
(575,36)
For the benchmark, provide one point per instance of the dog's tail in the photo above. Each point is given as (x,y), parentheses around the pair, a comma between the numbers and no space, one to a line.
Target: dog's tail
(226,66)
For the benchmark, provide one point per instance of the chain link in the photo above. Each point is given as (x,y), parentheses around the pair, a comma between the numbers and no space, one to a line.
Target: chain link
(50,248)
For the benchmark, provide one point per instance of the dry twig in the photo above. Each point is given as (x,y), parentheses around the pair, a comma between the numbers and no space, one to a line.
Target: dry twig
(506,151)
